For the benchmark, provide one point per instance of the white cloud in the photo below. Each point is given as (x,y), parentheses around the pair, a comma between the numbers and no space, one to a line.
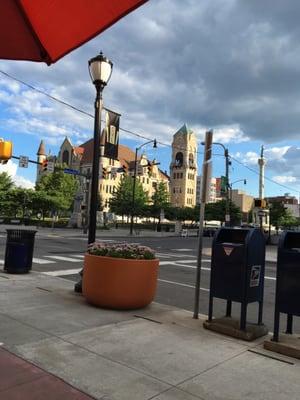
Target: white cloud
(11,169)
(284,179)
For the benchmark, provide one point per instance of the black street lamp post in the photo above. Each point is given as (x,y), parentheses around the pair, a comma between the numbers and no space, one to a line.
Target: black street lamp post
(134,181)
(100,69)
(227,164)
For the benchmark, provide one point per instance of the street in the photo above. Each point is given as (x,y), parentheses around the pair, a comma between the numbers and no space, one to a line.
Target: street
(59,254)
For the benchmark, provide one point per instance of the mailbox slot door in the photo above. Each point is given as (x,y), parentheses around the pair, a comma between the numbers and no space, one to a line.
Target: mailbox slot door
(288,281)
(228,271)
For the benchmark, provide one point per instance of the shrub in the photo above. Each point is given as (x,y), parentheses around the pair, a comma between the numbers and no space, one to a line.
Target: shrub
(121,250)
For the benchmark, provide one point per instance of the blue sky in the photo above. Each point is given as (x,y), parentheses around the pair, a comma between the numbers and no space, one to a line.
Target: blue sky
(231,66)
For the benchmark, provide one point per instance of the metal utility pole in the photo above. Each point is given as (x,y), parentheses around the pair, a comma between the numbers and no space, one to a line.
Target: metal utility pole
(206,178)
(134,181)
(133,191)
(227,210)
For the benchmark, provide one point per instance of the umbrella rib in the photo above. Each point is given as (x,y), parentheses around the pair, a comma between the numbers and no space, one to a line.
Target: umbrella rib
(43,52)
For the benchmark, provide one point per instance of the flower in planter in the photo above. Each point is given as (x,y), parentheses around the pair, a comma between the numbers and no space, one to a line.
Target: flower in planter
(121,250)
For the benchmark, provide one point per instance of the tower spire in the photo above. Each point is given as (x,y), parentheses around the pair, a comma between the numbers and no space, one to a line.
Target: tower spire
(261,163)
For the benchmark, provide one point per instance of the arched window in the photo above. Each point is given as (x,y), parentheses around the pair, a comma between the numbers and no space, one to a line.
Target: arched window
(191,160)
(65,157)
(179,159)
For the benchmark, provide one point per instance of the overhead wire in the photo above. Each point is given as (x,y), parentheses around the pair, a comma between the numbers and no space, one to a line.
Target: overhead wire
(129,131)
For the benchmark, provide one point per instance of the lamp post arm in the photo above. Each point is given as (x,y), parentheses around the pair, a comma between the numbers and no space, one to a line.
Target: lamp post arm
(144,144)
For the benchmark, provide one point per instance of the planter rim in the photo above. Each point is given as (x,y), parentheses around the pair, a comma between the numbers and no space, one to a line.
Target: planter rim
(120,258)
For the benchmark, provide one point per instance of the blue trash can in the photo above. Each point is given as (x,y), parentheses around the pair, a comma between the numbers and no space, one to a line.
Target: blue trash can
(19,251)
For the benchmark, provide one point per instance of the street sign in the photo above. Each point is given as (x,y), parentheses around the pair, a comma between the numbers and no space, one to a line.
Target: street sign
(23,162)
(50,166)
(69,171)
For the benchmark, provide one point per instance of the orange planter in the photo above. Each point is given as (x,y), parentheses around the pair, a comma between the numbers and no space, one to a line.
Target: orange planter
(119,283)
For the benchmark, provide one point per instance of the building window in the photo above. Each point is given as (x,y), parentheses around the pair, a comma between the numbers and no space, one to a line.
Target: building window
(174,176)
(65,157)
(179,159)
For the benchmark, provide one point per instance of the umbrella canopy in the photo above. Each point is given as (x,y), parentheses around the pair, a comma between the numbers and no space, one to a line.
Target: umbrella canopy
(47,30)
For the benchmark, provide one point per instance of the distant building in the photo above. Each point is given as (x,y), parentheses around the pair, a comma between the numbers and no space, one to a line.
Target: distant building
(289,202)
(80,158)
(244,201)
(212,190)
(183,168)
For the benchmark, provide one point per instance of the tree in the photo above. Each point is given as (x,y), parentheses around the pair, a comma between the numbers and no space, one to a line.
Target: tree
(6,182)
(160,200)
(216,211)
(6,186)
(60,187)
(278,214)
(121,201)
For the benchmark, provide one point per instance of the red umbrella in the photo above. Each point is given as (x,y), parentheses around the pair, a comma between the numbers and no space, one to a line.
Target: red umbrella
(47,30)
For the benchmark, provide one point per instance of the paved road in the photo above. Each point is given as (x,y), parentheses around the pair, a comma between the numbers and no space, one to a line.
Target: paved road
(62,255)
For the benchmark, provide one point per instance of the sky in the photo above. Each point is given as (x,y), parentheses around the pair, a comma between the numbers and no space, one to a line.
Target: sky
(227,65)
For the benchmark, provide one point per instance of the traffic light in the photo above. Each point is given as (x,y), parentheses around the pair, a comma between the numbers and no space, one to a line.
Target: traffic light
(5,151)
(260,203)
(104,173)
(150,169)
(224,184)
(45,165)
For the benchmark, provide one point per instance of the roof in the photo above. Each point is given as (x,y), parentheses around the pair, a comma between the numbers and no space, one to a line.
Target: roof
(125,153)
(183,130)
(41,151)
(78,150)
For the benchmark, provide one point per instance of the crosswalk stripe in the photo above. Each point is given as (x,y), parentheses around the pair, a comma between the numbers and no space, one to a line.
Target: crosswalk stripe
(182,284)
(63,272)
(183,249)
(42,261)
(62,258)
(165,255)
(1,262)
(77,255)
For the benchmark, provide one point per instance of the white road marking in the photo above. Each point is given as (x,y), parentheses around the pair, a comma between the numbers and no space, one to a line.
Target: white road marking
(63,272)
(183,249)
(173,255)
(182,284)
(1,262)
(180,263)
(62,258)
(77,255)
(42,261)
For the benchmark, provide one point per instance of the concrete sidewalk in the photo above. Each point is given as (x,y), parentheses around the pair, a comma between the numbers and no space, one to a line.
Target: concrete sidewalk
(159,352)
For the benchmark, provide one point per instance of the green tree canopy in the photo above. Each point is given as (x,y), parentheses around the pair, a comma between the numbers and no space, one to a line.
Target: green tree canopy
(6,182)
(160,199)
(121,201)
(216,211)
(60,187)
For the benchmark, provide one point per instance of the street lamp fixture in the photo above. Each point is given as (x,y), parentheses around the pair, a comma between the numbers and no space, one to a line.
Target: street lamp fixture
(230,185)
(134,180)
(227,164)
(100,69)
